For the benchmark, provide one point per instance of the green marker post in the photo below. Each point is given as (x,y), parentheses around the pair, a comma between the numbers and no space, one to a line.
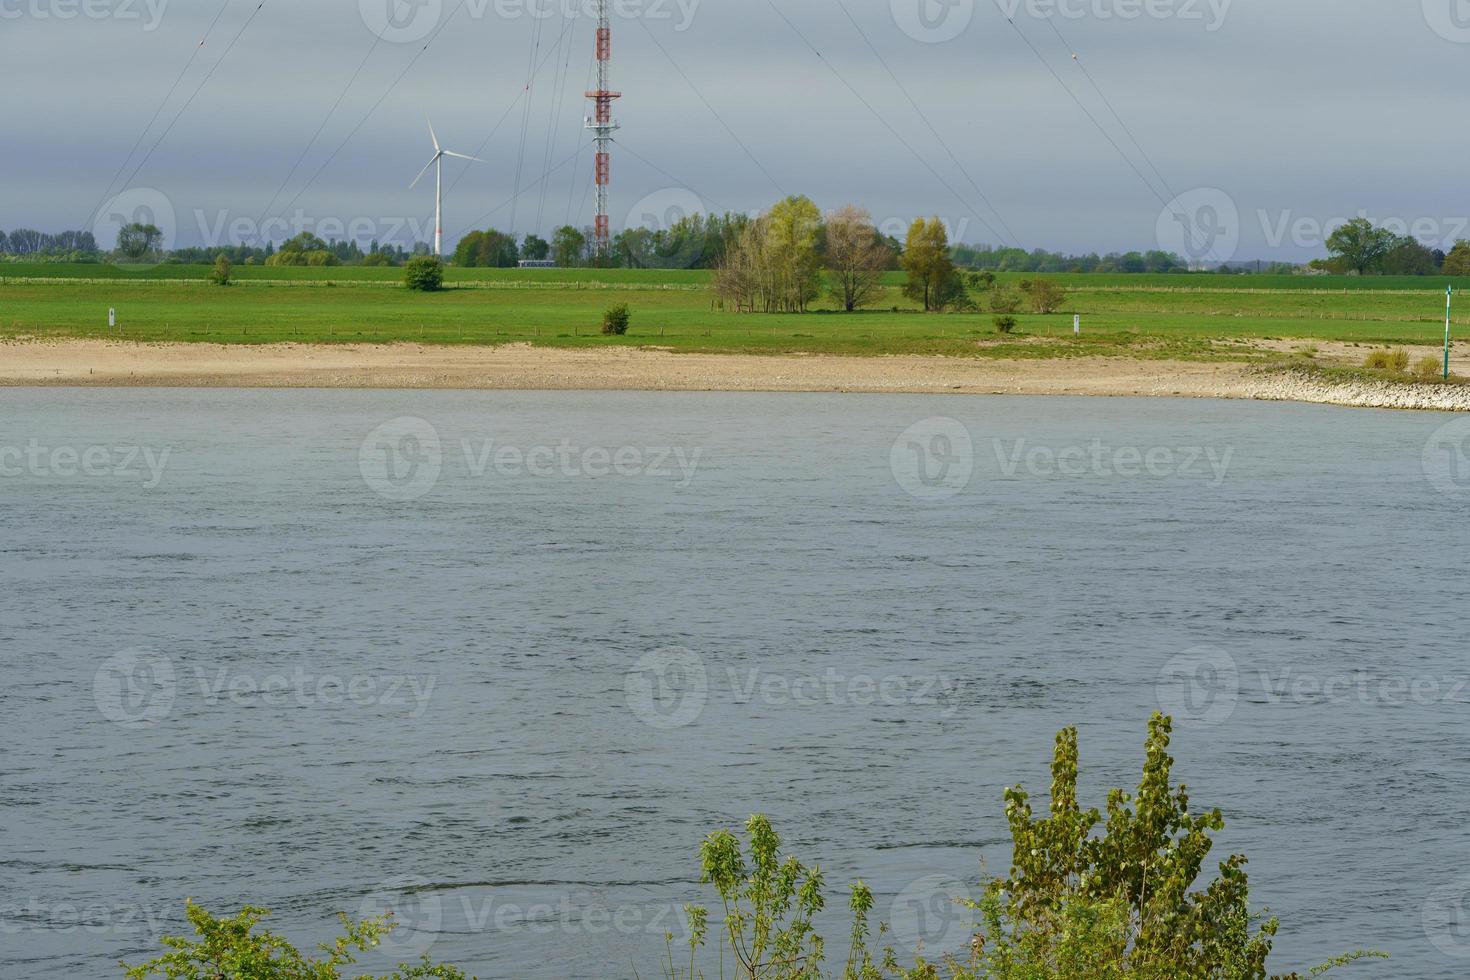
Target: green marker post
(1449,294)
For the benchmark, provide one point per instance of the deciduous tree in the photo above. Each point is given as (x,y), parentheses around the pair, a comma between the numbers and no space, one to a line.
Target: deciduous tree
(856,257)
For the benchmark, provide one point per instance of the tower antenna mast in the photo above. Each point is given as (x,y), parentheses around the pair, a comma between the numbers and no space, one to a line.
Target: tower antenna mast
(603,126)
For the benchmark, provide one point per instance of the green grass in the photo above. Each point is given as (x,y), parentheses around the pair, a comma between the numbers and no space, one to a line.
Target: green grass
(1188,316)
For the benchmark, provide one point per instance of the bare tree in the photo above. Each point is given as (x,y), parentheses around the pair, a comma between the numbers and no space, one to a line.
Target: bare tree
(856,257)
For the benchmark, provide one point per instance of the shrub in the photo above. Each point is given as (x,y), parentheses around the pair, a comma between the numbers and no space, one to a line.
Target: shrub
(1045,295)
(231,947)
(1078,903)
(1004,300)
(979,282)
(1005,324)
(1388,360)
(221,274)
(424,274)
(615,321)
(1429,366)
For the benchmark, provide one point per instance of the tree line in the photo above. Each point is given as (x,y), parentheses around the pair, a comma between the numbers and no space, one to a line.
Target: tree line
(1361,247)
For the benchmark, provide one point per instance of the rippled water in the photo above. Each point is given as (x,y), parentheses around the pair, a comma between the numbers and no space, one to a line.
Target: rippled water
(337,651)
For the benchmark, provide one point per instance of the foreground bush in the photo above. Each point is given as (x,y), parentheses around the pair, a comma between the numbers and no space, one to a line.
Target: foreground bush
(1077,905)
(231,948)
(1388,360)
(424,274)
(615,321)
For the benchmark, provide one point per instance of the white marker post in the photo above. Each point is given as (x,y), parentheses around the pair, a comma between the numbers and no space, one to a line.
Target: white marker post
(1449,294)
(111,319)
(1076,324)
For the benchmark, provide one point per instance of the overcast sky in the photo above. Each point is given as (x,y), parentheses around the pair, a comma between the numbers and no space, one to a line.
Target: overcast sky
(1288,113)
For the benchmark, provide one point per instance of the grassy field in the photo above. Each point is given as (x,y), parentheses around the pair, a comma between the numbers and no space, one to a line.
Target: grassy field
(1190,316)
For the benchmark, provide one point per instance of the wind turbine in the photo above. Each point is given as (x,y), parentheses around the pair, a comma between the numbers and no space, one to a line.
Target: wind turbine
(438,162)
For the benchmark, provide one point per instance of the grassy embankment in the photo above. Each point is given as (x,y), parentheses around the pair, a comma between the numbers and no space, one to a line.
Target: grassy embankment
(1176,316)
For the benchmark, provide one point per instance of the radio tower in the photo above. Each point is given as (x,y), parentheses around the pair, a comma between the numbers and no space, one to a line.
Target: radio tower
(603,126)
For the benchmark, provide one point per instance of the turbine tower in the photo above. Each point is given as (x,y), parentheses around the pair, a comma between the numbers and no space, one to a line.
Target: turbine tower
(603,126)
(439,154)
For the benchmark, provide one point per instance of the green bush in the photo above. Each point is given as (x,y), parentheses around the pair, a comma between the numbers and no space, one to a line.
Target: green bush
(1388,360)
(231,947)
(1003,299)
(221,274)
(1045,295)
(1078,904)
(424,274)
(1429,366)
(615,321)
(1005,324)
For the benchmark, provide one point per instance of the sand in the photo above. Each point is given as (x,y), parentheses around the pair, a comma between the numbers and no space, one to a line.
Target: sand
(525,367)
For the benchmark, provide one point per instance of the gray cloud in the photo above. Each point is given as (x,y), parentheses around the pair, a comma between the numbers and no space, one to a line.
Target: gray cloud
(1300,112)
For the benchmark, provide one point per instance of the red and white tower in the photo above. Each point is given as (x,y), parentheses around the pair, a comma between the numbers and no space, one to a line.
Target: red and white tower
(603,126)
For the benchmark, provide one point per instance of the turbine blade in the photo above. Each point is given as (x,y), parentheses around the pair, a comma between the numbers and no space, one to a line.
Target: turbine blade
(432,136)
(461,156)
(426,169)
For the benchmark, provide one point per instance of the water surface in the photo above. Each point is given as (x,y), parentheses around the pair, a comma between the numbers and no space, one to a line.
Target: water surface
(344,651)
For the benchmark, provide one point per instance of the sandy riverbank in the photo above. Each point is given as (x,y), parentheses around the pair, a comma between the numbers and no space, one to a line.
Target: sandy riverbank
(524,367)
